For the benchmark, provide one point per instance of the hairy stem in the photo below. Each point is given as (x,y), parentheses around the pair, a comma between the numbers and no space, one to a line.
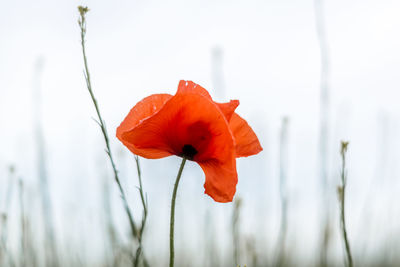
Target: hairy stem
(172,221)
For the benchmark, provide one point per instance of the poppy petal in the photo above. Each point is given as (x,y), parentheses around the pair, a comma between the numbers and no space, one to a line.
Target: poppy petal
(185,119)
(228,108)
(142,110)
(247,143)
(221,179)
(192,88)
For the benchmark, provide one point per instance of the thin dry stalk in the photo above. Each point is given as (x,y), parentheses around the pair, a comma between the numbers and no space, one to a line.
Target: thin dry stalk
(139,250)
(342,194)
(137,233)
(100,121)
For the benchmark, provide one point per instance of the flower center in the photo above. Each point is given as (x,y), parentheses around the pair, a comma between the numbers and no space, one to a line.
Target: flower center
(188,151)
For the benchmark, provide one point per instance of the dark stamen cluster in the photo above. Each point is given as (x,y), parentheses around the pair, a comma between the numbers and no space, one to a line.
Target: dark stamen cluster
(188,152)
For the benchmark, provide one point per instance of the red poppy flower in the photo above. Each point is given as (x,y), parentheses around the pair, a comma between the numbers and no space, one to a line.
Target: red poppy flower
(191,125)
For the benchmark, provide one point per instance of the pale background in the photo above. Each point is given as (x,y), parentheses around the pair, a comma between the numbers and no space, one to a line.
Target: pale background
(270,62)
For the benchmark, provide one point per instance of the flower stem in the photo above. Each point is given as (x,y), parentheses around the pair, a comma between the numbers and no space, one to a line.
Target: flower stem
(172,221)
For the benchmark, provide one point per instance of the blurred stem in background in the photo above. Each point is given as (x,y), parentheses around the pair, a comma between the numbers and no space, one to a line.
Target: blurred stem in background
(5,255)
(217,75)
(236,230)
(108,217)
(383,147)
(283,167)
(23,223)
(251,251)
(324,128)
(211,246)
(28,255)
(341,190)
(3,240)
(135,231)
(50,240)
(172,220)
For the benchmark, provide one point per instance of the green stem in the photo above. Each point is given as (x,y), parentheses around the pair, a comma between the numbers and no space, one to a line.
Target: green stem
(172,222)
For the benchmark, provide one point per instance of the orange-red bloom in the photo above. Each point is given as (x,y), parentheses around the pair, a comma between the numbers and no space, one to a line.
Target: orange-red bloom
(191,125)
